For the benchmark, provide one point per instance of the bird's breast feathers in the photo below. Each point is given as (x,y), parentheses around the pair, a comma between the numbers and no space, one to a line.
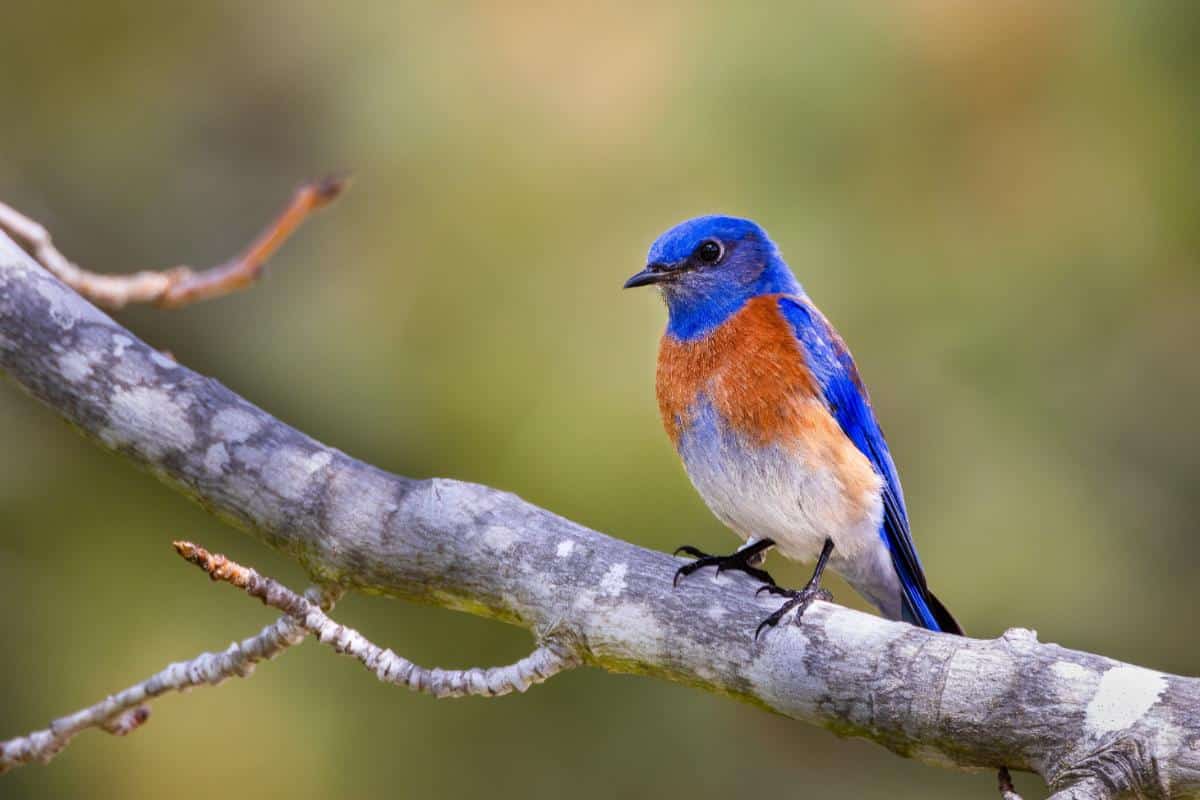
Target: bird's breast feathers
(757,438)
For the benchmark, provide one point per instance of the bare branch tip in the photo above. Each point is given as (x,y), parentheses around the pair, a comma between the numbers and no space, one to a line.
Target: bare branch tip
(328,188)
(177,286)
(218,567)
(193,553)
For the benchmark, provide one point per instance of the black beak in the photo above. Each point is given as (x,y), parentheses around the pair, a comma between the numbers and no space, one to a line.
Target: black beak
(653,273)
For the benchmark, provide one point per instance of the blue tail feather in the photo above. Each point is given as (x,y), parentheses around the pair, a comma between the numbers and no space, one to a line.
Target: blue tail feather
(922,608)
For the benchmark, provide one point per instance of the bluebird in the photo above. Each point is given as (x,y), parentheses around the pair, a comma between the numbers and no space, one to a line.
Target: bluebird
(765,406)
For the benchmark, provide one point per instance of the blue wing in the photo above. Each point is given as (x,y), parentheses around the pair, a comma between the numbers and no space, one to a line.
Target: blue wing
(834,369)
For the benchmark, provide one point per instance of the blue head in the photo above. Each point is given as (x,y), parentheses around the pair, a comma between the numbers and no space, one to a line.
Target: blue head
(708,268)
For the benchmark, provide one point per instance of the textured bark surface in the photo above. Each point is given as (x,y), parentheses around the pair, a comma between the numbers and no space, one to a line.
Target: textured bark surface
(1091,726)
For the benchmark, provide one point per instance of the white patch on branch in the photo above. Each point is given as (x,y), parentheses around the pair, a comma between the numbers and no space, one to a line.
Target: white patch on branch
(357,504)
(234,425)
(613,582)
(216,459)
(290,469)
(163,361)
(1070,671)
(564,548)
(74,366)
(499,539)
(1124,696)
(66,309)
(146,407)
(634,625)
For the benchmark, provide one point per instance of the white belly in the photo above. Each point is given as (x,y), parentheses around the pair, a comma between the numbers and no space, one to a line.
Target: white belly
(793,494)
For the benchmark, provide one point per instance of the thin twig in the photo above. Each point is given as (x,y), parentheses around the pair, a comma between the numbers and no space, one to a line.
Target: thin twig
(178,286)
(125,711)
(547,660)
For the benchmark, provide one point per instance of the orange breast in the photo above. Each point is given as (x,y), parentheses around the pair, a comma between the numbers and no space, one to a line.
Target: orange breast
(751,369)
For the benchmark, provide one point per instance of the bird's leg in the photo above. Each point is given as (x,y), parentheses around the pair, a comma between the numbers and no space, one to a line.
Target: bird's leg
(801,599)
(746,558)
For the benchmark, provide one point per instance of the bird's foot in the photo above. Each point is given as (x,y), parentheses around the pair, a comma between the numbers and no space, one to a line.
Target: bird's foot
(746,559)
(798,600)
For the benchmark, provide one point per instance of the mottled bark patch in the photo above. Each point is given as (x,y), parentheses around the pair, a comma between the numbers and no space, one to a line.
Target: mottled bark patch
(149,420)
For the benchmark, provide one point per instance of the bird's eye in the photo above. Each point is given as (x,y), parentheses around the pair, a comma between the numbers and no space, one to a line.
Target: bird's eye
(710,251)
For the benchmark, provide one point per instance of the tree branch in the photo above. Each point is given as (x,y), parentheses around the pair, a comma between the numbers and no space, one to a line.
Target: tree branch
(126,711)
(1088,725)
(546,661)
(177,286)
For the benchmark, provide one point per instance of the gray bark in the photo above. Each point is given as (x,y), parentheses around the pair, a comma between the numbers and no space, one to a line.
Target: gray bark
(1091,726)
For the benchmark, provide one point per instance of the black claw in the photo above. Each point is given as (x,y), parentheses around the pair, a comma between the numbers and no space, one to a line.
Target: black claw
(702,560)
(741,561)
(769,622)
(797,600)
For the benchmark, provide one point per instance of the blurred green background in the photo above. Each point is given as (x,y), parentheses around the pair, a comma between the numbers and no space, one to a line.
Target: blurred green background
(996,204)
